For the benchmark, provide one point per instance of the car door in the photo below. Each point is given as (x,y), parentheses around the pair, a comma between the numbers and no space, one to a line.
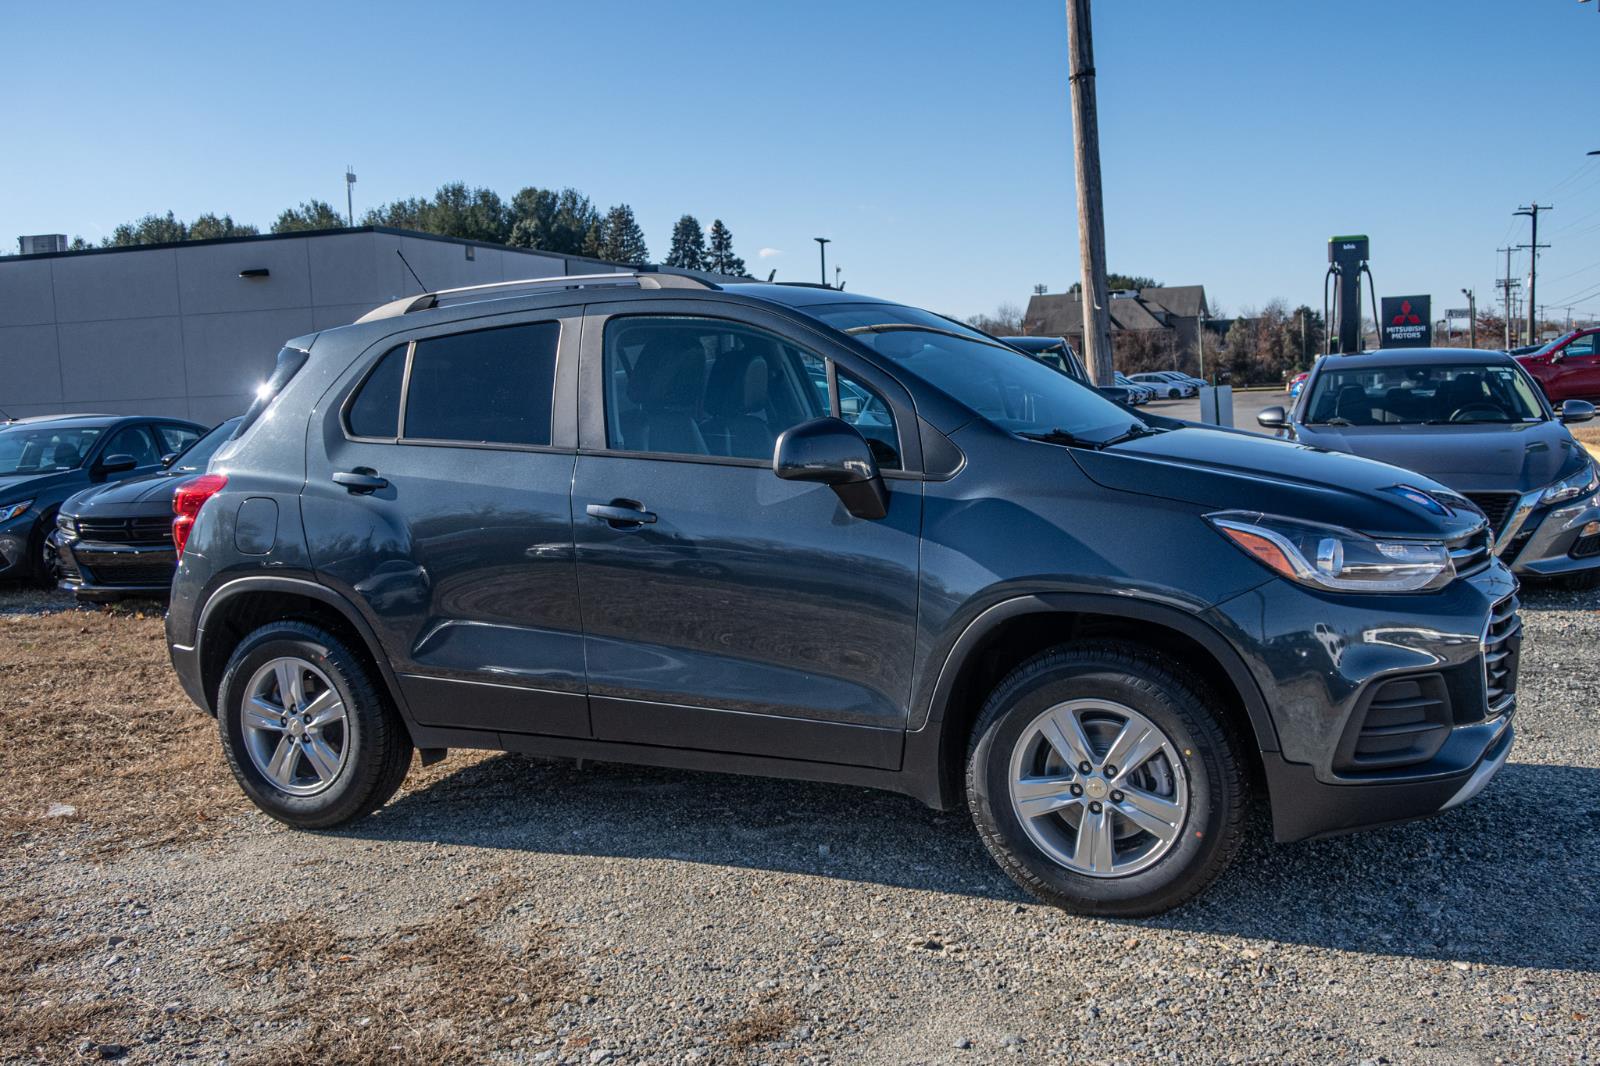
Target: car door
(726,609)
(1577,375)
(438,499)
(137,441)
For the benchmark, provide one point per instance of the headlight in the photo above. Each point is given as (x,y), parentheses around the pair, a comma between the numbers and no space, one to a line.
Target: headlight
(1582,483)
(8,511)
(67,524)
(1340,560)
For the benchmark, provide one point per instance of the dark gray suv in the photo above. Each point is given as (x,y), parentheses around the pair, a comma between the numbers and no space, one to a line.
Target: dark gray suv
(787,531)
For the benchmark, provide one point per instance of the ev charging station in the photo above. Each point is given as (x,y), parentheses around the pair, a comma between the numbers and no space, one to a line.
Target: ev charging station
(1347,261)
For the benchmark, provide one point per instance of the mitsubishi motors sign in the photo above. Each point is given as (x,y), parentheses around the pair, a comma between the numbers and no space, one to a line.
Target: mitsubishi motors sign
(1406,322)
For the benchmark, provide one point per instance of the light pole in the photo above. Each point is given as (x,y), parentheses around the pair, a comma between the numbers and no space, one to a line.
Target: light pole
(350,195)
(1203,319)
(1472,318)
(822,249)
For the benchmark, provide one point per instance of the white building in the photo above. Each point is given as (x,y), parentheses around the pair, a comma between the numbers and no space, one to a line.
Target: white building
(190,329)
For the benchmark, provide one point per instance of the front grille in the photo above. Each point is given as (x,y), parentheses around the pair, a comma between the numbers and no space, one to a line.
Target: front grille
(1497,506)
(1471,553)
(149,531)
(1584,547)
(1502,649)
(1404,720)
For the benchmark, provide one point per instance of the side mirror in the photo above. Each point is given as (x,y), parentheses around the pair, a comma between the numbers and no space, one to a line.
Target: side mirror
(1576,411)
(1272,417)
(168,459)
(830,451)
(116,464)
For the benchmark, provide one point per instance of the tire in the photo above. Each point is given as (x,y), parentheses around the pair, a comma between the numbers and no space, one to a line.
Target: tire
(370,748)
(44,568)
(1197,770)
(1174,394)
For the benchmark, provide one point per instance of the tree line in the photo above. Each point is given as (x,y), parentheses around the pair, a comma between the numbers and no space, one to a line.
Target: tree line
(563,221)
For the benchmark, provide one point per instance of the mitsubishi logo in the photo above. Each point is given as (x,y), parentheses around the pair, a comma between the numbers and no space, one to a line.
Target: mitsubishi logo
(1406,317)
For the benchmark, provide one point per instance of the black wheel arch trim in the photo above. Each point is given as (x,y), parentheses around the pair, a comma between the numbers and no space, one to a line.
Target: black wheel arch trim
(238,586)
(927,754)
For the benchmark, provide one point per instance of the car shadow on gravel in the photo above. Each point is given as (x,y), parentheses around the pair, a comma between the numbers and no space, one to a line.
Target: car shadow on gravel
(1508,879)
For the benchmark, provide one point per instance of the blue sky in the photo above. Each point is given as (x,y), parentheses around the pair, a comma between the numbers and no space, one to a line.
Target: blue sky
(930,140)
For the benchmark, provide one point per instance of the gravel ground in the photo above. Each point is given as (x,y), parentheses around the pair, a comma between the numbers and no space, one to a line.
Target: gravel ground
(508,910)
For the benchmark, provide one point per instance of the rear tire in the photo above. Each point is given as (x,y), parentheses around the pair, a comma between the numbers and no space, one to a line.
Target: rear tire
(44,567)
(310,736)
(1126,841)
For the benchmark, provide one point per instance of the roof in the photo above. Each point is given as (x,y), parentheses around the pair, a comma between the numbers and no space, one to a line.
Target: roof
(799,295)
(76,420)
(1386,357)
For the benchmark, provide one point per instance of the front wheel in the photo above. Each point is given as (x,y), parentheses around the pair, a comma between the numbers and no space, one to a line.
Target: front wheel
(1103,779)
(309,735)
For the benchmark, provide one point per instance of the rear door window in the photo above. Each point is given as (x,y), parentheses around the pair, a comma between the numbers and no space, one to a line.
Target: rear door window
(491,386)
(175,437)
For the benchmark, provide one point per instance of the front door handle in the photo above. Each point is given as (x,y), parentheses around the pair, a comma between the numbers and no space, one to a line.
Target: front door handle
(621,514)
(360,481)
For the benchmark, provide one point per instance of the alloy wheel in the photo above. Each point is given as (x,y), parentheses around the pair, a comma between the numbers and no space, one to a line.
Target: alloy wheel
(296,727)
(1098,787)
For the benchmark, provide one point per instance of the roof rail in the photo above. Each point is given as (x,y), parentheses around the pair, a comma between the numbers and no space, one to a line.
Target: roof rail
(644,280)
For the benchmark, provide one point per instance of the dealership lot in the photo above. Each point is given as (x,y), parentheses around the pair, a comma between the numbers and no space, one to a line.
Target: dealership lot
(556,913)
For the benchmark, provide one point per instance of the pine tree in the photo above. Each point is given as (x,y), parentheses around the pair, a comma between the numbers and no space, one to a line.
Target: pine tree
(721,259)
(623,240)
(688,245)
(313,214)
(594,238)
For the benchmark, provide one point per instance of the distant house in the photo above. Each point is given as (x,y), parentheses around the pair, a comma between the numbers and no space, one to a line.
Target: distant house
(1170,313)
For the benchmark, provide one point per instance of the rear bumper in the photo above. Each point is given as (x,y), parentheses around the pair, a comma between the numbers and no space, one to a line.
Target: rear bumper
(1304,807)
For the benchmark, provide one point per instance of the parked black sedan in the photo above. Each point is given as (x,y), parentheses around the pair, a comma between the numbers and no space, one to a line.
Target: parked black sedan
(1057,353)
(1475,421)
(45,459)
(115,539)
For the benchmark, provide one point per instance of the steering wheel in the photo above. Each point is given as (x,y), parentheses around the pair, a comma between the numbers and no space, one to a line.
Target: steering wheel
(1465,412)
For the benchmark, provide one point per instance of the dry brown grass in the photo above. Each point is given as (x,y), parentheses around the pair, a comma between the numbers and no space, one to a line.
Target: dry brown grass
(435,991)
(96,721)
(1587,434)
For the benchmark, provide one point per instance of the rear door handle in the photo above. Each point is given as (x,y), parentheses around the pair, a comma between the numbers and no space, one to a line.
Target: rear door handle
(360,481)
(621,514)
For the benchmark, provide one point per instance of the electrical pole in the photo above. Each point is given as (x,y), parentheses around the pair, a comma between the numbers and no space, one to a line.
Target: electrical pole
(822,247)
(1091,211)
(1532,213)
(1472,317)
(1505,294)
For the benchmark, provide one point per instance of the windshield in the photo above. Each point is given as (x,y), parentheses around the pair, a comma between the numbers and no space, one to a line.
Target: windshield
(1546,349)
(44,450)
(1010,389)
(193,459)
(1422,395)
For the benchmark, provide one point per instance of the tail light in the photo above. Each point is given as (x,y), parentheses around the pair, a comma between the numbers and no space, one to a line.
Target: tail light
(186,503)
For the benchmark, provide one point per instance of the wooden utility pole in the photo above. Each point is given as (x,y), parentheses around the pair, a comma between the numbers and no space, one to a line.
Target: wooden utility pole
(1091,214)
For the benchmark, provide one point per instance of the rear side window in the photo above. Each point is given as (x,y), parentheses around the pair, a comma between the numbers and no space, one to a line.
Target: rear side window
(290,360)
(375,410)
(491,386)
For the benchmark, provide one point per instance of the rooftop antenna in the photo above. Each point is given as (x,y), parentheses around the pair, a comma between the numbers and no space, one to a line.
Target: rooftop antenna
(772,274)
(6,415)
(403,259)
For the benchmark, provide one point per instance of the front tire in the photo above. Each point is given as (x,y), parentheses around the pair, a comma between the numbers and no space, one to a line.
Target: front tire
(1104,779)
(310,737)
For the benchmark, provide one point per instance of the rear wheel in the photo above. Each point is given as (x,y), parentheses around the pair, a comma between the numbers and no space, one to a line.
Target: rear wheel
(42,554)
(1103,779)
(309,735)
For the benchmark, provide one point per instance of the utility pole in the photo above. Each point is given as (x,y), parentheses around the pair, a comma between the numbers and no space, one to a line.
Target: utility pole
(350,196)
(1472,317)
(1505,294)
(1532,213)
(822,247)
(1091,211)
(1203,317)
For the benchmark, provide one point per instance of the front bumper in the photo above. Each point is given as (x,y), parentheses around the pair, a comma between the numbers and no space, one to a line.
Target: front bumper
(97,573)
(1387,708)
(1552,543)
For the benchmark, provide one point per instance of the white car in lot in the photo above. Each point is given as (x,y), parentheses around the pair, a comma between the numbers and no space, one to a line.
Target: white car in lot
(1168,383)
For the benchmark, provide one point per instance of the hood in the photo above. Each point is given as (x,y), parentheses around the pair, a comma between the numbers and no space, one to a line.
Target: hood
(1467,457)
(41,486)
(148,495)
(1222,469)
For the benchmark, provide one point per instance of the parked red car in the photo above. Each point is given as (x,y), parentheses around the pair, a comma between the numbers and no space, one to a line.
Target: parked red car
(1568,368)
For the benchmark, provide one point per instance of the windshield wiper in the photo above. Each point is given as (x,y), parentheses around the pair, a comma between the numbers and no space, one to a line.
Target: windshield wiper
(1134,432)
(1062,436)
(1336,420)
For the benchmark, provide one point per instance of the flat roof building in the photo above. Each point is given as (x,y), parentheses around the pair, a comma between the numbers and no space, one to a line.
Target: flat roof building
(190,329)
